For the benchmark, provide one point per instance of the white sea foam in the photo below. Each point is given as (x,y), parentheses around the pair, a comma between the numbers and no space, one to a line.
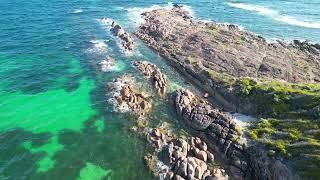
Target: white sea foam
(115,89)
(98,46)
(77,11)
(291,20)
(105,23)
(134,14)
(242,120)
(110,64)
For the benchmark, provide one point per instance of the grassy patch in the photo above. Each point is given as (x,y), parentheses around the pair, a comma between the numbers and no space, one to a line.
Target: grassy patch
(212,30)
(222,78)
(278,98)
(302,64)
(296,140)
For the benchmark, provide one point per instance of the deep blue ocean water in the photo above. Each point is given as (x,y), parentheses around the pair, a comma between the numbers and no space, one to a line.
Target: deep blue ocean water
(55,119)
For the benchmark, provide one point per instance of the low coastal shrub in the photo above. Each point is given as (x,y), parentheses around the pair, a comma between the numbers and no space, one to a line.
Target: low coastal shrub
(297,140)
(279,99)
(222,78)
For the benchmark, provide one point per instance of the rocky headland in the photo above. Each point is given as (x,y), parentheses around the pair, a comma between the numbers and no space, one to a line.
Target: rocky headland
(239,71)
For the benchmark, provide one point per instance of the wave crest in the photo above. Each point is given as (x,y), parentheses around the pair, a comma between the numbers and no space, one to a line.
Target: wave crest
(98,47)
(276,15)
(77,11)
(134,14)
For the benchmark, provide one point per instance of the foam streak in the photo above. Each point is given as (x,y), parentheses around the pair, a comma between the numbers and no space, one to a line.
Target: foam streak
(275,15)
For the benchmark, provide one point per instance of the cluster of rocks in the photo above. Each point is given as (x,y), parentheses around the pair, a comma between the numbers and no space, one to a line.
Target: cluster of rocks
(156,76)
(219,128)
(307,46)
(135,101)
(182,160)
(128,98)
(159,137)
(127,41)
(189,161)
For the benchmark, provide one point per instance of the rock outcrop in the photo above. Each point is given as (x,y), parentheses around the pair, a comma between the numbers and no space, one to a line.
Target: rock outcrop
(155,75)
(222,134)
(227,49)
(182,160)
(159,137)
(127,41)
(127,98)
(216,57)
(188,161)
(219,127)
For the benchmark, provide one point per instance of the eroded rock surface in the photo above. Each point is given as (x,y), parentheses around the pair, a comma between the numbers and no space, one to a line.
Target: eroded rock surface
(220,131)
(156,76)
(179,159)
(227,49)
(217,57)
(127,41)
(220,128)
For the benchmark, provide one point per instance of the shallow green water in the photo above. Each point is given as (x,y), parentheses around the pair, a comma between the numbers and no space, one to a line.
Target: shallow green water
(55,118)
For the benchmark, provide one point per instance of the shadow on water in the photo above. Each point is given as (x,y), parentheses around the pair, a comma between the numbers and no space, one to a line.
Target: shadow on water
(32,75)
(111,148)
(17,162)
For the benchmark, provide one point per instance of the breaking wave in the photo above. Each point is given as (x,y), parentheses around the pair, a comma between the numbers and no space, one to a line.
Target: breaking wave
(275,15)
(134,14)
(77,11)
(98,47)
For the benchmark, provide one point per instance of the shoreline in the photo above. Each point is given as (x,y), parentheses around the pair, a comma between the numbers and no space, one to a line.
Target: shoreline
(219,76)
(176,36)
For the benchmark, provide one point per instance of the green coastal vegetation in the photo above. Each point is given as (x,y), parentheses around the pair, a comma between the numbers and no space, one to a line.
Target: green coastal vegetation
(289,125)
(272,98)
(281,99)
(294,140)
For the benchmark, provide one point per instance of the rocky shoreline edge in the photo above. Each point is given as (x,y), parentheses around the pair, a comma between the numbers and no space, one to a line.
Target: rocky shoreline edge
(175,157)
(250,82)
(238,69)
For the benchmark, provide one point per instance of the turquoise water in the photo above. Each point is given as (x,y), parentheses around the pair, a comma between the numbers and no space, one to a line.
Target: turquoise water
(56,121)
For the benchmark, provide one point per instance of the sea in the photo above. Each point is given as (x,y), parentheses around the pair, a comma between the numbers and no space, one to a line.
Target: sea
(56,120)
